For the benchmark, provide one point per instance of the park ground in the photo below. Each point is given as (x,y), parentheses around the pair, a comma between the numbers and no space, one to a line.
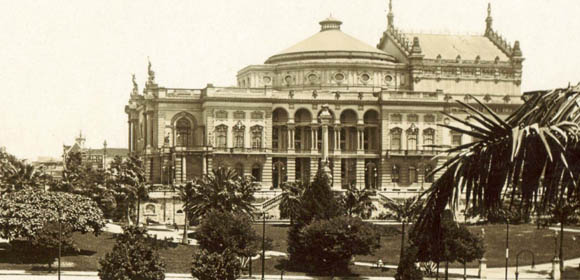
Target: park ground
(178,256)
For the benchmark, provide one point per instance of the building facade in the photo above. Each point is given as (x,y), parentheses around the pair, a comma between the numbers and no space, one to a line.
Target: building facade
(95,158)
(375,110)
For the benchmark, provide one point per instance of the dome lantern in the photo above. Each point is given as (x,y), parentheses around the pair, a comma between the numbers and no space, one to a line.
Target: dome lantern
(330,23)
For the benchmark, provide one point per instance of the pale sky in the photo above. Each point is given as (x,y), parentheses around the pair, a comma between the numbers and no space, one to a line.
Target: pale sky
(66,66)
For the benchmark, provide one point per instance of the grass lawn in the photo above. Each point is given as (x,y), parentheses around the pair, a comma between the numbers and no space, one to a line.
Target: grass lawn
(539,241)
(178,257)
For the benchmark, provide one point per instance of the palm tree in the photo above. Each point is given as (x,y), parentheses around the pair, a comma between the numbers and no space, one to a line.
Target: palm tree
(403,211)
(358,202)
(529,160)
(130,183)
(223,190)
(290,202)
(186,193)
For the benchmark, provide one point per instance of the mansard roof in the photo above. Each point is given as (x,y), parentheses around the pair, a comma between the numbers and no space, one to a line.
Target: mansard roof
(451,46)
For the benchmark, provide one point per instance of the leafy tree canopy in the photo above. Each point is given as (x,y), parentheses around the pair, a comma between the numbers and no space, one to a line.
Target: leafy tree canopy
(25,213)
(215,266)
(328,245)
(318,201)
(132,258)
(358,202)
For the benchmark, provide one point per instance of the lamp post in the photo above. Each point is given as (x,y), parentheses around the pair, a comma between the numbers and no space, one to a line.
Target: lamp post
(263,241)
(517,260)
(507,247)
(60,216)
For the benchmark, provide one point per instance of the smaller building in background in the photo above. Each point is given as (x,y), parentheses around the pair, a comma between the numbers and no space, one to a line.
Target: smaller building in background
(51,166)
(96,158)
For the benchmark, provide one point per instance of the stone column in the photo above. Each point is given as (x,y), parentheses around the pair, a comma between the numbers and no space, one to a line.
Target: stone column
(360,173)
(314,134)
(337,137)
(291,169)
(267,172)
(291,139)
(325,119)
(129,137)
(337,180)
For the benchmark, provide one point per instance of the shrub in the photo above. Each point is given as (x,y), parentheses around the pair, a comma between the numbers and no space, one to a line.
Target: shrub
(215,266)
(132,258)
(328,245)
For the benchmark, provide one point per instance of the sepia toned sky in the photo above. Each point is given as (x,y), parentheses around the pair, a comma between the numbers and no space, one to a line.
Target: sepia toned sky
(66,66)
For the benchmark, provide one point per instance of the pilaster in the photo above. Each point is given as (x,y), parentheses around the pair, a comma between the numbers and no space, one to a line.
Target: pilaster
(360,173)
(267,172)
(291,169)
(337,180)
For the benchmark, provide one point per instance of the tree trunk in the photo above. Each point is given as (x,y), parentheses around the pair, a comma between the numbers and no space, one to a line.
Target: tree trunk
(561,255)
(446,270)
(402,241)
(437,274)
(129,214)
(184,240)
(138,210)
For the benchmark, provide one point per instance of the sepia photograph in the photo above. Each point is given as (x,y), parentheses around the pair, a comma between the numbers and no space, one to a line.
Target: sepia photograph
(299,140)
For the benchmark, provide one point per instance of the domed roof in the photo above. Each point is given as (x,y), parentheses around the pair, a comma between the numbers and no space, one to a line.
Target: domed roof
(330,42)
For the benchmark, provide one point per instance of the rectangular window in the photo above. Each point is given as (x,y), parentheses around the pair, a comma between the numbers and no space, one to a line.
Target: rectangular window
(455,139)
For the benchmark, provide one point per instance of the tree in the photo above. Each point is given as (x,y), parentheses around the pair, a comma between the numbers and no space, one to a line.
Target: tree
(407,270)
(186,194)
(358,202)
(318,201)
(328,245)
(404,211)
(532,151)
(215,266)
(132,258)
(222,190)
(449,243)
(291,198)
(129,182)
(17,175)
(220,231)
(25,213)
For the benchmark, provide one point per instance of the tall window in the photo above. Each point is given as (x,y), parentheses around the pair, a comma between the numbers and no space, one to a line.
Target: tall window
(371,175)
(412,134)
(429,137)
(182,132)
(279,174)
(275,138)
(239,129)
(257,172)
(240,169)
(412,174)
(396,138)
(455,139)
(256,137)
(221,135)
(395,174)
(428,175)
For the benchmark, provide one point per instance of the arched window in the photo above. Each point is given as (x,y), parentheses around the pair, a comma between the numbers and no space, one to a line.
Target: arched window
(412,134)
(412,174)
(429,138)
(239,129)
(256,137)
(221,136)
(371,175)
(279,174)
(257,172)
(395,175)
(396,138)
(182,132)
(428,175)
(240,169)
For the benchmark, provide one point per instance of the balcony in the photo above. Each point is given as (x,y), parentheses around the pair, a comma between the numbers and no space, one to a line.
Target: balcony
(411,153)
(227,150)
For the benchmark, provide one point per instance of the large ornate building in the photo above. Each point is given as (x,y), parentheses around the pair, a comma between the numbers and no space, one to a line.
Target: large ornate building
(375,110)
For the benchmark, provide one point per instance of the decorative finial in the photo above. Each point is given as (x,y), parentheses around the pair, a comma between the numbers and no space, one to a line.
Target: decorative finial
(135,86)
(488,20)
(151,73)
(516,49)
(416,48)
(390,15)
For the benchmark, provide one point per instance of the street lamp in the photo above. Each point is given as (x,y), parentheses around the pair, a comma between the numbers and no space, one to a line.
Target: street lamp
(507,246)
(263,241)
(60,216)
(517,260)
